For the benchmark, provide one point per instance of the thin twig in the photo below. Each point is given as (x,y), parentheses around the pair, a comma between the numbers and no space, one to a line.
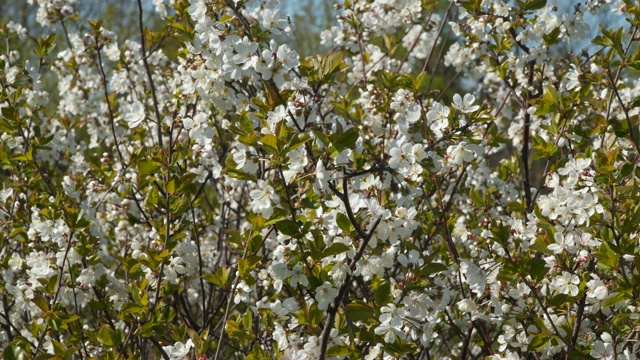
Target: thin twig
(149,75)
(229,301)
(159,347)
(444,22)
(112,120)
(634,140)
(365,237)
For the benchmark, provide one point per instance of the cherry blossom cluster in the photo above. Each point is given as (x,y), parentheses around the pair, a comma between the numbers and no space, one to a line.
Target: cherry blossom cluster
(453,179)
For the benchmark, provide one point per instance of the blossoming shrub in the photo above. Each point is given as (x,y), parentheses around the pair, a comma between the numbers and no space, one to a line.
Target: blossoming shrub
(232,200)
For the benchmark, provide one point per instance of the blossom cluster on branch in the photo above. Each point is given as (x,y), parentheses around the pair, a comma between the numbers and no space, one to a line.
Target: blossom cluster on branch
(453,180)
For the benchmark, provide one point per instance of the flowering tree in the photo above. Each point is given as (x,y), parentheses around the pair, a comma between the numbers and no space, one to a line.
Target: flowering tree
(232,200)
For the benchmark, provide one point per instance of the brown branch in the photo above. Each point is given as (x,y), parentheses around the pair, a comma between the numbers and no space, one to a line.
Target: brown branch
(524,154)
(444,21)
(366,237)
(534,291)
(359,39)
(103,77)
(581,307)
(619,71)
(633,136)
(159,347)
(149,75)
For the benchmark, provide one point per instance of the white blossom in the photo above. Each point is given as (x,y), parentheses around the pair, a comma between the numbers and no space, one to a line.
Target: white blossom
(325,294)
(135,115)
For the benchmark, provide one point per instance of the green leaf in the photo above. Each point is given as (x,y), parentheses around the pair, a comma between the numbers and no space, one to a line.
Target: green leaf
(602,41)
(179,206)
(234,331)
(539,342)
(382,294)
(634,65)
(287,227)
(255,220)
(240,175)
(271,94)
(476,196)
(542,328)
(607,258)
(617,298)
(24,157)
(419,83)
(359,311)
(551,92)
(398,349)
(257,354)
(509,272)
(248,139)
(10,353)
(247,320)
(298,140)
(98,305)
(535,4)
(332,63)
(346,140)
(247,265)
(344,223)
(220,277)
(559,300)
(81,224)
(270,141)
(133,308)
(553,37)
(42,303)
(171,186)
(105,336)
(255,243)
(10,113)
(432,268)
(536,267)
(148,329)
(632,219)
(52,284)
(148,166)
(46,45)
(338,350)
(335,249)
